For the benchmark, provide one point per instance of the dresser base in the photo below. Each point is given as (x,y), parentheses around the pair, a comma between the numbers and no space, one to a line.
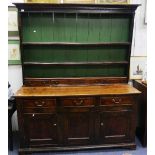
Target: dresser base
(23,151)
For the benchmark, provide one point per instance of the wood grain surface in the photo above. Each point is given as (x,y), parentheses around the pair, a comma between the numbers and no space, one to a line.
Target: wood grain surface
(110,89)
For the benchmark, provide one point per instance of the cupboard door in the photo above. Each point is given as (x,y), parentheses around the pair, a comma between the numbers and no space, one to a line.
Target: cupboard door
(78,127)
(115,126)
(40,129)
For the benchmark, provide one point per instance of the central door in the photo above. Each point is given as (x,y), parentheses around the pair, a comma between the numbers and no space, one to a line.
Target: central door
(78,127)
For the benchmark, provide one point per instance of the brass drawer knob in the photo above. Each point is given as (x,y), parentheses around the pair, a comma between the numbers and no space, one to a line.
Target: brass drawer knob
(78,102)
(117,101)
(54,124)
(32,115)
(54,82)
(39,104)
(44,82)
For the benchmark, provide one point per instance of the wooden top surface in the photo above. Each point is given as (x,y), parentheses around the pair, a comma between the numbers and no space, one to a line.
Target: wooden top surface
(110,89)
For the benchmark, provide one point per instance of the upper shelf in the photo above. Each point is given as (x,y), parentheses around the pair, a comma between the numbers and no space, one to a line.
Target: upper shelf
(74,43)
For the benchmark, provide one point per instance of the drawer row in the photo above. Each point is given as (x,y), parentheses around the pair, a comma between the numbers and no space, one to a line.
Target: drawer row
(71,81)
(77,101)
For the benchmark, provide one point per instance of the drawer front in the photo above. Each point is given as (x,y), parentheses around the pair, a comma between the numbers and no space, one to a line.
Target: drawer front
(39,103)
(116,100)
(43,82)
(33,83)
(77,101)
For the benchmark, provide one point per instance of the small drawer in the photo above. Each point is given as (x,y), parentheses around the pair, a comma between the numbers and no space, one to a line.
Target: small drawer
(117,100)
(33,83)
(77,101)
(42,103)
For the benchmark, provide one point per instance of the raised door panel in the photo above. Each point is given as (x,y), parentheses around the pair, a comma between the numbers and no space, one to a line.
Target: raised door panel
(115,126)
(40,129)
(78,128)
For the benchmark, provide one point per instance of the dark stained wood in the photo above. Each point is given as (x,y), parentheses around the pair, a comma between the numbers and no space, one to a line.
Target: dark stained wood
(73,148)
(142,112)
(57,114)
(44,103)
(39,134)
(78,101)
(77,116)
(130,39)
(39,110)
(88,147)
(117,100)
(78,126)
(111,89)
(76,121)
(115,131)
(20,122)
(20,36)
(73,81)
(114,108)
(79,8)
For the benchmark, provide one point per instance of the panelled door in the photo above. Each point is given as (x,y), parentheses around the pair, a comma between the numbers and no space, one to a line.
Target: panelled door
(77,113)
(41,129)
(115,126)
(78,127)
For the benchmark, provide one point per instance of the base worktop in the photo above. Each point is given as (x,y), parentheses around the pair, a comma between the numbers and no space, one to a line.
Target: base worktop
(76,117)
(109,89)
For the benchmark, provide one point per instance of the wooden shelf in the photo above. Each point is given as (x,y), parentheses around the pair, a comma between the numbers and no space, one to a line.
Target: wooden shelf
(76,40)
(79,44)
(76,63)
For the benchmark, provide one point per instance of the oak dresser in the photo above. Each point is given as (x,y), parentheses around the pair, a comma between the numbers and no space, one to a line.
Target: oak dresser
(75,63)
